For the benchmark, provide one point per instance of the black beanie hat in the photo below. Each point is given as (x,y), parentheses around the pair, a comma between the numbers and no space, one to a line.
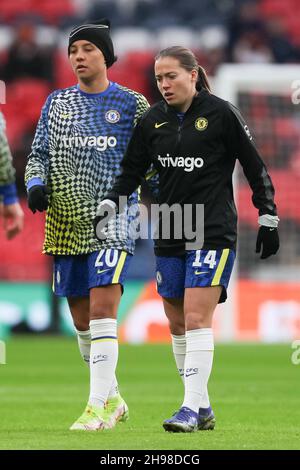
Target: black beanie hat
(96,32)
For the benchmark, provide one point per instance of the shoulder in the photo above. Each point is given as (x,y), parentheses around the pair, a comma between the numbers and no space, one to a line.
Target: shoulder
(218,103)
(131,95)
(152,112)
(63,93)
(225,106)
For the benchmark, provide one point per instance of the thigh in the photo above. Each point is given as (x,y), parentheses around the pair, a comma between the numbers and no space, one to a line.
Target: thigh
(199,306)
(174,312)
(170,276)
(209,268)
(104,301)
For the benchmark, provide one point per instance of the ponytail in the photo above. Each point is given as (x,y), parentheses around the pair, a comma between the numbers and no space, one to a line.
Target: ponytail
(202,81)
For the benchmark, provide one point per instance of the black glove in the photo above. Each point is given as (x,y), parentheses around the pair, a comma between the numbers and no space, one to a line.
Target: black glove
(106,208)
(38,198)
(268,239)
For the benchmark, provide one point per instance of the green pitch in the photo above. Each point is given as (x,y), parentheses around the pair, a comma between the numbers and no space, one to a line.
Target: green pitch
(44,386)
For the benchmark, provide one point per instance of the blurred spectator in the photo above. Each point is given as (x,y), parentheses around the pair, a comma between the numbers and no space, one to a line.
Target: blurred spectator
(25,58)
(213,44)
(245,19)
(282,49)
(252,47)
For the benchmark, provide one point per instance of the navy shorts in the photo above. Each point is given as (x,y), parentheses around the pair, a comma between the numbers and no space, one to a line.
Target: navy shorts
(197,268)
(74,275)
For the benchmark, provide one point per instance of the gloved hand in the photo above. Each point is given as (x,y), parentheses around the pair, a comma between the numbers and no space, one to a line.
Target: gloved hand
(268,239)
(106,208)
(38,198)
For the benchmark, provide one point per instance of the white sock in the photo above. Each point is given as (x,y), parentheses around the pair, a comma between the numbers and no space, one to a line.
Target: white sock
(84,343)
(197,366)
(103,359)
(179,347)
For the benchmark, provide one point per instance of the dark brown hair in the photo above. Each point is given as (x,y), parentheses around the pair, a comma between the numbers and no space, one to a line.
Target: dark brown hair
(187,61)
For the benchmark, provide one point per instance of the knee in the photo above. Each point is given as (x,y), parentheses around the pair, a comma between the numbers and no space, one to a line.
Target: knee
(197,320)
(104,310)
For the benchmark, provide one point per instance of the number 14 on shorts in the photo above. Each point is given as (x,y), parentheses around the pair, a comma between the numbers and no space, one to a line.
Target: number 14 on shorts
(204,258)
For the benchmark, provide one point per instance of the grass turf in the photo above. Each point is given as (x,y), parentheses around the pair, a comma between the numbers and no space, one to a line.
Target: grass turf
(254,391)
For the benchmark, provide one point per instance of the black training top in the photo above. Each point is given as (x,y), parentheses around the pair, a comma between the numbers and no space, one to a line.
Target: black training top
(195,162)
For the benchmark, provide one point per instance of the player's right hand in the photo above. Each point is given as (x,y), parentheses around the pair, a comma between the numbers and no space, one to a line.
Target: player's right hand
(38,198)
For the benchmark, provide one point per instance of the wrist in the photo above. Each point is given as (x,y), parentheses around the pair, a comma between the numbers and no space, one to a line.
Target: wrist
(9,194)
(268,220)
(34,182)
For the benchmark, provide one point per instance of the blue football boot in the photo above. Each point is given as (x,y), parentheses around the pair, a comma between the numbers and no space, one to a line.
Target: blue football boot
(184,420)
(206,419)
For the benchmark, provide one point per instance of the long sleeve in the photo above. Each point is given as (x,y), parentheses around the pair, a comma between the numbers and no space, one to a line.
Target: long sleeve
(240,144)
(133,166)
(142,106)
(38,160)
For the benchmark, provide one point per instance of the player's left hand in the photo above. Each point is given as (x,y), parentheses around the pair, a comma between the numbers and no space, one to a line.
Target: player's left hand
(105,210)
(38,198)
(268,240)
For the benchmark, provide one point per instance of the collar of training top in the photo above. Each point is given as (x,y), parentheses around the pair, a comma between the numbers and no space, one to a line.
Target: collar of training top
(199,98)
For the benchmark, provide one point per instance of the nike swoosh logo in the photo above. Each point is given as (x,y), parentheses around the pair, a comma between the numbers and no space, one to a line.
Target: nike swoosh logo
(99,360)
(159,125)
(201,272)
(100,271)
(188,375)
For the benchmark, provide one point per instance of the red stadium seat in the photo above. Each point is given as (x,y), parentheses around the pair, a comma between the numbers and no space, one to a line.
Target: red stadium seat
(24,101)
(9,9)
(130,76)
(139,60)
(293,27)
(29,95)
(21,258)
(276,7)
(16,125)
(50,10)
(64,76)
(53,10)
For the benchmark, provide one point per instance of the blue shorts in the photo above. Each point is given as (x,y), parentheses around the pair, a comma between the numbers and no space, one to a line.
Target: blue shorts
(73,276)
(197,268)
